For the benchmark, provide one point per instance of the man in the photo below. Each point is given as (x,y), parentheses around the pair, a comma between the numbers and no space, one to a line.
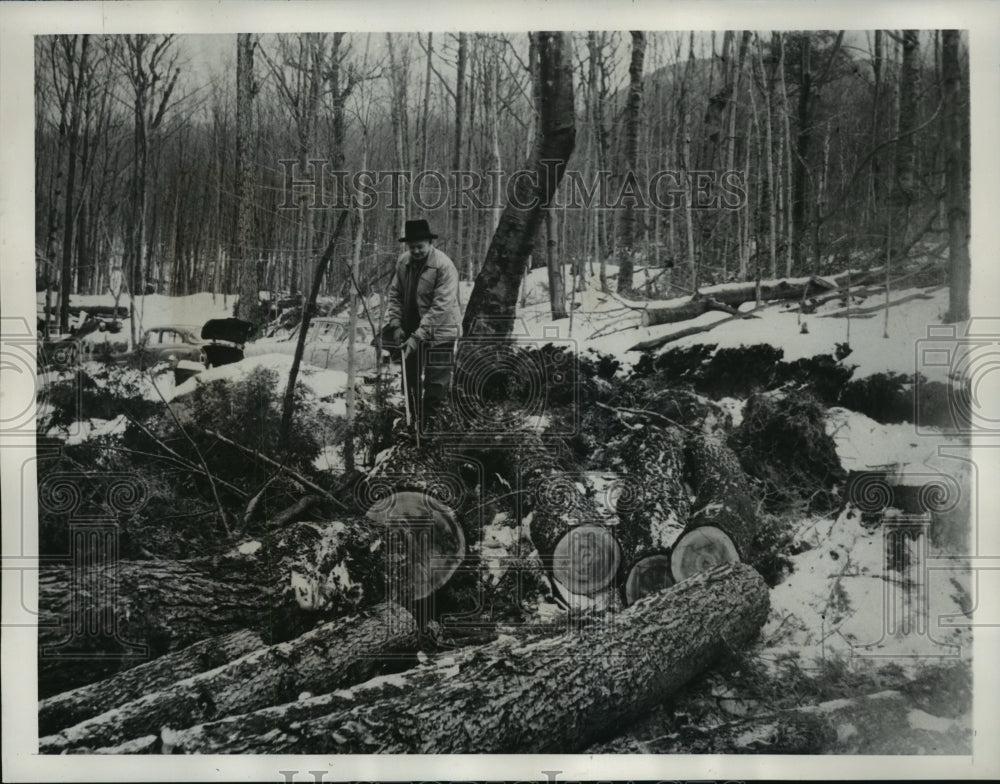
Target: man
(424,318)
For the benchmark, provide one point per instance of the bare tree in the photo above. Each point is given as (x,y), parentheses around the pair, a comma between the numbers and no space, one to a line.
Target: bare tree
(246,254)
(957,185)
(633,114)
(493,302)
(150,66)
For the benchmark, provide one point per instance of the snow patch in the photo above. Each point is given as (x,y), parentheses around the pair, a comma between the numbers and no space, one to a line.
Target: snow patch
(85,429)
(249,548)
(833,603)
(321,383)
(919,720)
(760,734)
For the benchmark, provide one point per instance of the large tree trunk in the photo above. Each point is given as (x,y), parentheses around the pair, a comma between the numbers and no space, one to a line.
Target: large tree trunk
(278,586)
(723,495)
(645,488)
(153,606)
(493,302)
(956,184)
(330,656)
(495,698)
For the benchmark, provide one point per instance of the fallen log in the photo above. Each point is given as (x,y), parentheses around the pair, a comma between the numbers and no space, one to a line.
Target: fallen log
(697,306)
(720,529)
(335,654)
(886,722)
(654,343)
(734,297)
(143,609)
(520,694)
(72,707)
(871,310)
(278,585)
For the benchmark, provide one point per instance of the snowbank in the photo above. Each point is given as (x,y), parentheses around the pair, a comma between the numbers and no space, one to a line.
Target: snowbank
(321,383)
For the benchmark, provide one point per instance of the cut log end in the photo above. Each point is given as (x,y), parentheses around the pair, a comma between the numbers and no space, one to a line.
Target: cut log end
(586,559)
(425,544)
(650,575)
(701,549)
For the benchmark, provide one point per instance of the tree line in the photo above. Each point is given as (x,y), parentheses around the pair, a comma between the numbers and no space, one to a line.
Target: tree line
(840,149)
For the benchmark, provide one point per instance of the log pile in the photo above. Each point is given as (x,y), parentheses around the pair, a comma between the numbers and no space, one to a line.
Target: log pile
(252,650)
(526,693)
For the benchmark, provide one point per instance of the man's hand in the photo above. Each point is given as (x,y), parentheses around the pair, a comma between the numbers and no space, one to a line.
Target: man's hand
(411,344)
(399,336)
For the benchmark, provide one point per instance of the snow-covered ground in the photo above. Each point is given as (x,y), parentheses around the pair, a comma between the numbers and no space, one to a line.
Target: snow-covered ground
(605,323)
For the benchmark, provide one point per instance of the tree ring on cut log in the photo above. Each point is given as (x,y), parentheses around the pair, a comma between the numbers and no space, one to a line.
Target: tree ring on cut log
(424,545)
(585,559)
(648,575)
(701,549)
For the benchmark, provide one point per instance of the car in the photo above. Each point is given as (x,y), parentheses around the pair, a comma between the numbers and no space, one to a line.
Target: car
(325,346)
(170,343)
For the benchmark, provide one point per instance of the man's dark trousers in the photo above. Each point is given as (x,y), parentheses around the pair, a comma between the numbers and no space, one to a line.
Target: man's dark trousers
(429,372)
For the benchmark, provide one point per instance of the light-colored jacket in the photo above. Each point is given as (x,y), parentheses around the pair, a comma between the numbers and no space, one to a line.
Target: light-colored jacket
(437,297)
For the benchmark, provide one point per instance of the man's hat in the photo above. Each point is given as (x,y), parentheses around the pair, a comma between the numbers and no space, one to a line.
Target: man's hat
(417,230)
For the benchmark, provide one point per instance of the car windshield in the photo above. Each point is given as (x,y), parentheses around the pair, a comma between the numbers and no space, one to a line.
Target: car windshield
(166,336)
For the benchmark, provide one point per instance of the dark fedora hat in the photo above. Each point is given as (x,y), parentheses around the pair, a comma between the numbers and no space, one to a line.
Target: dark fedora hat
(417,230)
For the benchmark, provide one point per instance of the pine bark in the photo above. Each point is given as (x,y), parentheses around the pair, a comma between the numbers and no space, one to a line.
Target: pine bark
(277,586)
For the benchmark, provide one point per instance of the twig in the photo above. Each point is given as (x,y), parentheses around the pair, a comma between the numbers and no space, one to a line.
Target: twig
(286,515)
(298,477)
(255,501)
